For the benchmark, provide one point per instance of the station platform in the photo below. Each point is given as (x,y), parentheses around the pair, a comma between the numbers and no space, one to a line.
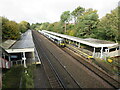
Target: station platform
(97,62)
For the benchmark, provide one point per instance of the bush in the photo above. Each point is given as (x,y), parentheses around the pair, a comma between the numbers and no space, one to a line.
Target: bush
(27,77)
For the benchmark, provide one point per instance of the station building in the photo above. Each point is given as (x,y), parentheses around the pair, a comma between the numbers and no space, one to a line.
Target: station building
(22,51)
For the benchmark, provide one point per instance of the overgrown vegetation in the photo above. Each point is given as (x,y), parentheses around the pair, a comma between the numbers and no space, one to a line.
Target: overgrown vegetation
(18,74)
(11,29)
(11,79)
(27,77)
(85,23)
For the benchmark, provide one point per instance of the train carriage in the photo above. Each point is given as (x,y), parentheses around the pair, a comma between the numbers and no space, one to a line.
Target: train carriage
(59,41)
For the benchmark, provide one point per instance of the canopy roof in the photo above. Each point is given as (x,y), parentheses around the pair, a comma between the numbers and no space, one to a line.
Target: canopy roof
(26,41)
(25,44)
(89,41)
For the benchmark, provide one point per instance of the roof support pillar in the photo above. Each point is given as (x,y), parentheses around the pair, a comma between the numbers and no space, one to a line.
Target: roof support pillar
(24,58)
(21,62)
(94,52)
(33,55)
(4,55)
(9,58)
(16,62)
(79,45)
(11,63)
(101,52)
(76,43)
(69,41)
(108,50)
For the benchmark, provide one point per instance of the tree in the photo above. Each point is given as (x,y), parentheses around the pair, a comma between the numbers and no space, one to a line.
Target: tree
(109,26)
(24,26)
(65,18)
(44,26)
(77,12)
(36,26)
(87,23)
(10,29)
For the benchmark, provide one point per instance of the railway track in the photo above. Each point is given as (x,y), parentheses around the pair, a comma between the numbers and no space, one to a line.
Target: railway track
(53,77)
(112,82)
(65,69)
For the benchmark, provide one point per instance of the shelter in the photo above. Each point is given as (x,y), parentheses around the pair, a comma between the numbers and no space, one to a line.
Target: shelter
(94,43)
(23,49)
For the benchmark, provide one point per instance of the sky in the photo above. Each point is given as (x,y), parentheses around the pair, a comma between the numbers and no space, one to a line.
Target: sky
(39,11)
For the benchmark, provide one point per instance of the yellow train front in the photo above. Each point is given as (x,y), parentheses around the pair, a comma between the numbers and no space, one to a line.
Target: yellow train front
(62,43)
(59,41)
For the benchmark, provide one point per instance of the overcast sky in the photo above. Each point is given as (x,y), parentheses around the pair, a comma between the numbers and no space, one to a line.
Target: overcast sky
(50,10)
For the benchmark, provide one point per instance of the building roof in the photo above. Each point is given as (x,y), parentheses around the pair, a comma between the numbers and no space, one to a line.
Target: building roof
(2,50)
(7,44)
(89,41)
(25,44)
(26,41)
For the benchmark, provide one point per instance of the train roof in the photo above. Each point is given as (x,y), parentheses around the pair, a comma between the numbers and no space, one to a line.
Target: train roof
(51,36)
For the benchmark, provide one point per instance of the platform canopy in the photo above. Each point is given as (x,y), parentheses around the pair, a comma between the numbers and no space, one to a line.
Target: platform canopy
(25,44)
(89,41)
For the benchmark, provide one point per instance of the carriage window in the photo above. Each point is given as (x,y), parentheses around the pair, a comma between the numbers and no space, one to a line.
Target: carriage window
(62,41)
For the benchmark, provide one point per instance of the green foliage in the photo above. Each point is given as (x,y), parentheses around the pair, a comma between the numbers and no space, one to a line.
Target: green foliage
(72,32)
(27,77)
(43,26)
(35,26)
(77,12)
(65,17)
(11,79)
(10,29)
(108,26)
(24,26)
(40,26)
(86,24)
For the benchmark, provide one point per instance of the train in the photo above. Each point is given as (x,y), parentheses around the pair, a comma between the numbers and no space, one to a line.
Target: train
(59,41)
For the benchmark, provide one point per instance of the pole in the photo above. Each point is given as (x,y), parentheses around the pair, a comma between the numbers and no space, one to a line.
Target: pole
(101,52)
(24,58)
(79,45)
(94,52)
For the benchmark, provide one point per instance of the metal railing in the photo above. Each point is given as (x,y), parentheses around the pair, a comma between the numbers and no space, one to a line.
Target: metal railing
(17,62)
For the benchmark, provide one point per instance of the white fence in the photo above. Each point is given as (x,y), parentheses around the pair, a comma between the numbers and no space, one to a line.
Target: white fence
(107,54)
(114,53)
(98,55)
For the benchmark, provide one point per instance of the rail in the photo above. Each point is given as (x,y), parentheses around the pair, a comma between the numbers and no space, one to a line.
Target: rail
(112,82)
